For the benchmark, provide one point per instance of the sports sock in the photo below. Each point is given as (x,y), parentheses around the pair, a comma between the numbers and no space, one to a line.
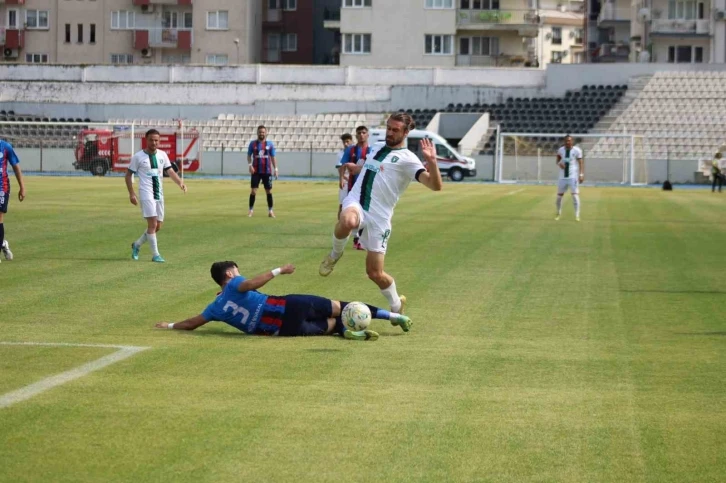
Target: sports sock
(576,202)
(269,201)
(152,242)
(2,233)
(376,312)
(392,296)
(559,204)
(338,246)
(339,327)
(142,239)
(252,202)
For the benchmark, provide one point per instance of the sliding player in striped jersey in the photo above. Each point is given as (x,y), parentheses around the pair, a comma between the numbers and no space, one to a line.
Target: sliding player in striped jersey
(386,174)
(241,306)
(572,173)
(150,164)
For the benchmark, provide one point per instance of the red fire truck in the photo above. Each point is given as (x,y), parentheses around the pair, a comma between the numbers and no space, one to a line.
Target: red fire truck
(102,150)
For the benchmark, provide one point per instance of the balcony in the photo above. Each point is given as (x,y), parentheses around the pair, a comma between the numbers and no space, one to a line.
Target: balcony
(141,3)
(12,38)
(611,15)
(501,60)
(612,53)
(680,27)
(525,22)
(163,38)
(273,17)
(331,19)
(12,2)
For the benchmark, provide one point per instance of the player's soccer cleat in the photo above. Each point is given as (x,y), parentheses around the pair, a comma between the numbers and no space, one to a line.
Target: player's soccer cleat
(271,214)
(403,322)
(557,217)
(134,251)
(402,310)
(361,335)
(6,250)
(328,264)
(358,246)
(249,214)
(577,218)
(157,259)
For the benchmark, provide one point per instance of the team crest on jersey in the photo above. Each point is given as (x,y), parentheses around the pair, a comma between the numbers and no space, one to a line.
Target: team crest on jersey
(395,159)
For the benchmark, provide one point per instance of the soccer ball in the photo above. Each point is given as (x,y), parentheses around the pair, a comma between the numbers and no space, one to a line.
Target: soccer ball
(356,316)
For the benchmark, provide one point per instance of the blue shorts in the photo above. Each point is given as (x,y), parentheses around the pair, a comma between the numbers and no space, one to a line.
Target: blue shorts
(4,199)
(305,315)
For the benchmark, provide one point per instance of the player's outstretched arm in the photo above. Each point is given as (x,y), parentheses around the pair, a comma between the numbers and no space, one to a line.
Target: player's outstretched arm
(431,178)
(21,183)
(188,324)
(260,280)
(175,177)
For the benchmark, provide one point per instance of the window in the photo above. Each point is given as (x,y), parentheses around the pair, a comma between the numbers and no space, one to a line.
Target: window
(579,36)
(92,34)
(122,20)
(289,43)
(357,43)
(187,20)
(80,33)
(36,19)
(36,58)
(464,46)
(122,58)
(357,3)
(681,9)
(487,46)
(464,5)
(480,4)
(68,33)
(217,59)
(12,19)
(176,59)
(289,4)
(578,57)
(443,152)
(217,20)
(439,4)
(556,57)
(685,54)
(557,35)
(438,44)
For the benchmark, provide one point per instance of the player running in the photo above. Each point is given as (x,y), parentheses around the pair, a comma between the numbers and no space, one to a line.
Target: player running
(8,157)
(150,164)
(352,162)
(240,305)
(261,162)
(386,174)
(572,173)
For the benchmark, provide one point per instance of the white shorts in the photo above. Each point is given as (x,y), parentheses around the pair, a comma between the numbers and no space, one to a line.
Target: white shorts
(376,231)
(342,194)
(571,183)
(150,208)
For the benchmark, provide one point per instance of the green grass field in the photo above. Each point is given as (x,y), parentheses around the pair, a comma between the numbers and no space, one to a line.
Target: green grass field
(541,350)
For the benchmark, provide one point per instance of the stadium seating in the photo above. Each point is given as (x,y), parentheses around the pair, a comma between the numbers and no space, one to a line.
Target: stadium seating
(680,115)
(35,135)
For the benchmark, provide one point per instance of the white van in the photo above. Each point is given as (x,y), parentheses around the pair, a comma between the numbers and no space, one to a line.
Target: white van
(451,163)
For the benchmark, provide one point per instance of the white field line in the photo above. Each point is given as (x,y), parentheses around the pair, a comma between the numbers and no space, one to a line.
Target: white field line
(514,192)
(27,392)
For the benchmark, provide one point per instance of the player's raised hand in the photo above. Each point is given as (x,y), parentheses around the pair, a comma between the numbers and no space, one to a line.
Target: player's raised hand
(287,269)
(428,150)
(133,200)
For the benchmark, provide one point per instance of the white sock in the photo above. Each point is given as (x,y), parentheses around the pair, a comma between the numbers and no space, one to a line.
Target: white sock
(142,239)
(559,204)
(576,202)
(392,296)
(338,246)
(152,242)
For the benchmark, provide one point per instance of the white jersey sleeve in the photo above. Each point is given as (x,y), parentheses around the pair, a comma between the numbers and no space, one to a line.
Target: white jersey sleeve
(165,162)
(412,165)
(134,163)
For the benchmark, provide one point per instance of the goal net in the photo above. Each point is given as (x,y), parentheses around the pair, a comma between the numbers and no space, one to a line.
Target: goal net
(609,158)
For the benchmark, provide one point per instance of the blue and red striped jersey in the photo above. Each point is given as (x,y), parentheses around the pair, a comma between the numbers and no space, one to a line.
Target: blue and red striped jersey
(261,151)
(7,158)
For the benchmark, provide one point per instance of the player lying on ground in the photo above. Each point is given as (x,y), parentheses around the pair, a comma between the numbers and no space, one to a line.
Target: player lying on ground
(240,305)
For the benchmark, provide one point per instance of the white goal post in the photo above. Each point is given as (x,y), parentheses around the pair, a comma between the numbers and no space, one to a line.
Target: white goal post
(610,158)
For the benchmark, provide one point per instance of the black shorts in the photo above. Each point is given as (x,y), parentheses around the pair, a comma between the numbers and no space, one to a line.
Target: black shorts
(305,315)
(4,199)
(265,178)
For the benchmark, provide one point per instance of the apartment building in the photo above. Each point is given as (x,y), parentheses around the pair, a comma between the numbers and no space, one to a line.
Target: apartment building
(217,32)
(460,32)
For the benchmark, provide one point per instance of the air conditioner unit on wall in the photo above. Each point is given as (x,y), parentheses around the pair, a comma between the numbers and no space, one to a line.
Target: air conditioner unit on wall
(10,53)
(719,14)
(146,53)
(147,8)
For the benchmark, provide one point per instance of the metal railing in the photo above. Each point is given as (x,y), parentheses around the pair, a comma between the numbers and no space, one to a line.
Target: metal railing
(165,37)
(504,17)
(680,26)
(611,13)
